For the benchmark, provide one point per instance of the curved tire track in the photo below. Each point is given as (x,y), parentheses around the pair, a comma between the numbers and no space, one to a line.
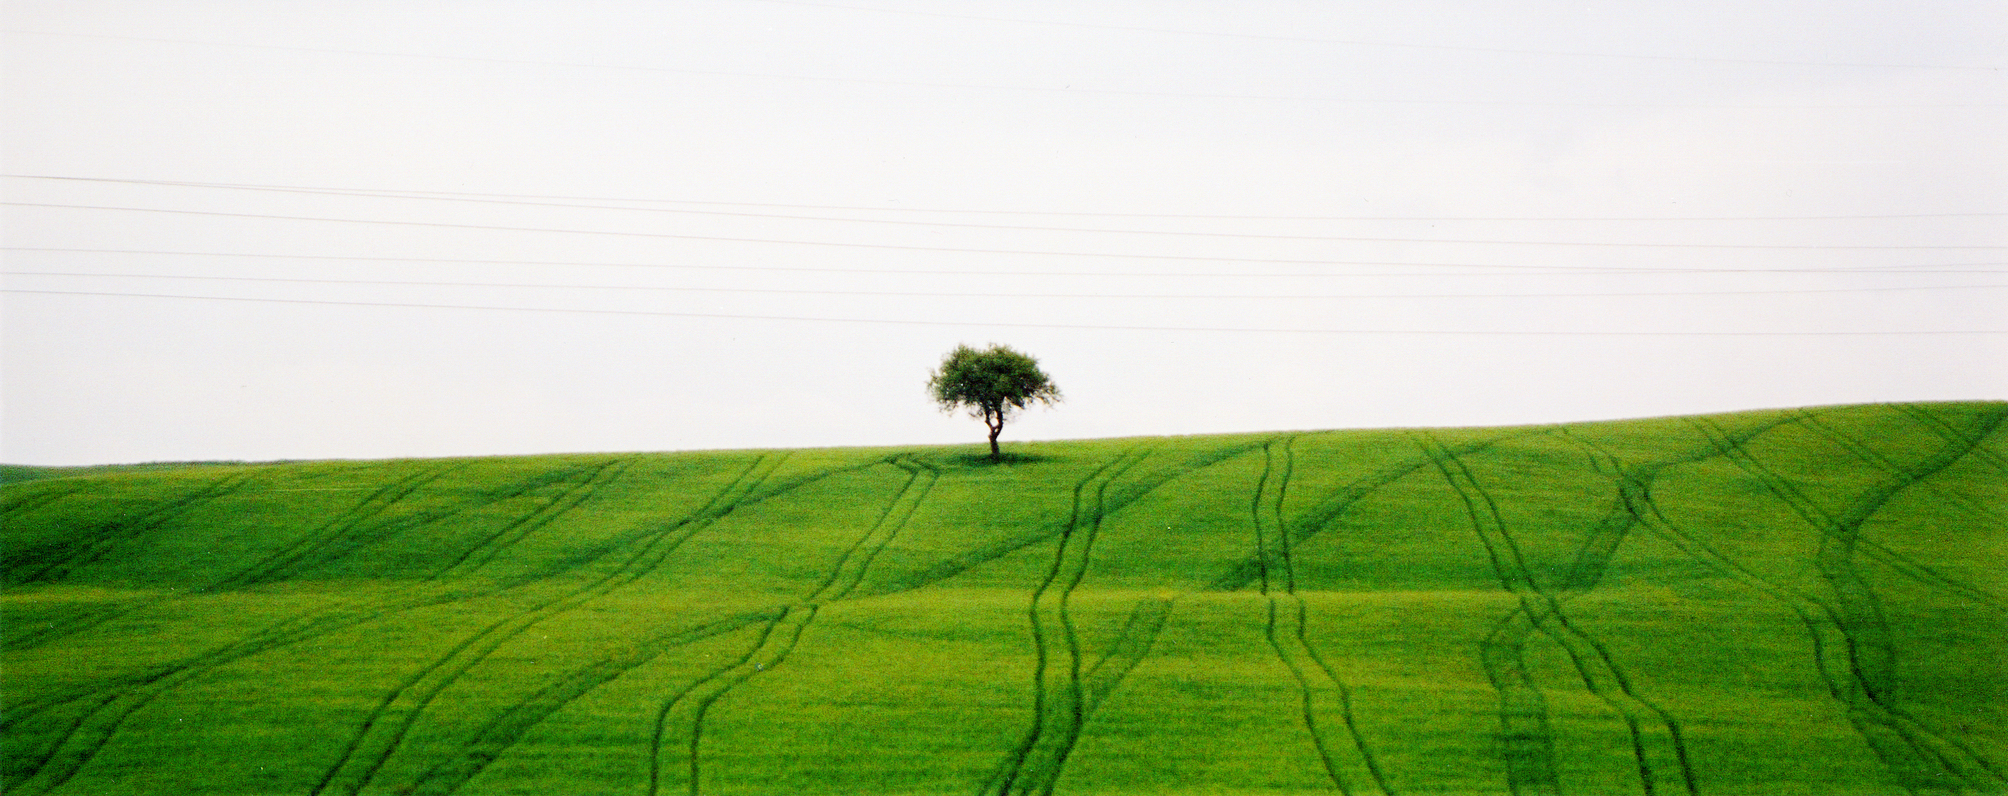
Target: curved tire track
(99,541)
(372,505)
(1860,668)
(588,484)
(508,727)
(117,698)
(1656,739)
(35,499)
(1314,676)
(51,562)
(384,730)
(1883,554)
(361,520)
(1326,512)
(679,722)
(1137,489)
(275,565)
(69,750)
(1059,709)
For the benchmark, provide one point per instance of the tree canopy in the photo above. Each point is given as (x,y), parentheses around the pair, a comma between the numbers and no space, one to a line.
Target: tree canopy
(991,384)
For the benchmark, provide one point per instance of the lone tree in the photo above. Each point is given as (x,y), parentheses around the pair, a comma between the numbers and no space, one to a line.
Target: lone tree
(991,384)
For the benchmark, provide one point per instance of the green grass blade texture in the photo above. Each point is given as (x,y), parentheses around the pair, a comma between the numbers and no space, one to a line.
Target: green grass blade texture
(1778,602)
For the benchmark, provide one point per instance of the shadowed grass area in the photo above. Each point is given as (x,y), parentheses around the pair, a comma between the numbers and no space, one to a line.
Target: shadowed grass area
(1794,601)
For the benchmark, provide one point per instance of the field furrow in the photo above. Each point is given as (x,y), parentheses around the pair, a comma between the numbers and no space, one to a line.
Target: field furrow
(569,496)
(117,698)
(57,560)
(1327,511)
(1766,602)
(1316,680)
(1655,738)
(494,739)
(387,725)
(1058,701)
(1920,756)
(23,501)
(677,753)
(382,499)
(1882,554)
(69,750)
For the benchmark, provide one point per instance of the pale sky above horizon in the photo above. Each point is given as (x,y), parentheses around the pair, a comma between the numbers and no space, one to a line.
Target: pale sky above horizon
(307,229)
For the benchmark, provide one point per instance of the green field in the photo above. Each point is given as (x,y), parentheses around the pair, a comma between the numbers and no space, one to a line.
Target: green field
(1789,602)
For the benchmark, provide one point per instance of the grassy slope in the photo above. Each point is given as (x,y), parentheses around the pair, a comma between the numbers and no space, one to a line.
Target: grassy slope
(1767,602)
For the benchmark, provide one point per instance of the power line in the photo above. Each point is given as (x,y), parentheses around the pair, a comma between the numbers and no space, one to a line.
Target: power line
(1517,270)
(745,214)
(1372,43)
(800,269)
(1092,327)
(410,194)
(960,250)
(1045,89)
(997,295)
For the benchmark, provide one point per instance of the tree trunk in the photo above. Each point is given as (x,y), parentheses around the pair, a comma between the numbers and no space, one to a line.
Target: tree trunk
(995,420)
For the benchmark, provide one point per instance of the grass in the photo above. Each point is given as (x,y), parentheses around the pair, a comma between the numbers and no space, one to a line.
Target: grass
(1787,602)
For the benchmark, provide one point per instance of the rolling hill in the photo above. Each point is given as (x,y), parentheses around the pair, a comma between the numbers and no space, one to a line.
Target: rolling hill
(1794,601)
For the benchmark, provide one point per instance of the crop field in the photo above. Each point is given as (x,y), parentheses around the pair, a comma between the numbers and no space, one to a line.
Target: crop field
(1782,602)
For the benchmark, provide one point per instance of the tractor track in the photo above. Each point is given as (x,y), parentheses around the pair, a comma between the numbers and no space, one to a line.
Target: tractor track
(274,565)
(856,560)
(84,618)
(74,621)
(506,728)
(779,637)
(1951,433)
(1328,511)
(329,621)
(362,535)
(1138,489)
(141,688)
(1821,622)
(38,498)
(1852,646)
(1918,756)
(50,562)
(1883,554)
(569,497)
(1656,739)
(1293,648)
(495,738)
(384,730)
(1138,634)
(502,732)
(1146,620)
(116,700)
(1525,732)
(108,705)
(1059,710)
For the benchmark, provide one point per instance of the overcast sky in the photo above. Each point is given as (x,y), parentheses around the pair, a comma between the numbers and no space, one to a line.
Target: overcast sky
(315,229)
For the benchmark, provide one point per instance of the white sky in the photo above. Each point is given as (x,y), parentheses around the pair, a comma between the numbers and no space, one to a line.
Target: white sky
(1200,216)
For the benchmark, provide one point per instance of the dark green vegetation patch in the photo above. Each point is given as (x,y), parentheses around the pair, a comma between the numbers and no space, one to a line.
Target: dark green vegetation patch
(1769,602)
